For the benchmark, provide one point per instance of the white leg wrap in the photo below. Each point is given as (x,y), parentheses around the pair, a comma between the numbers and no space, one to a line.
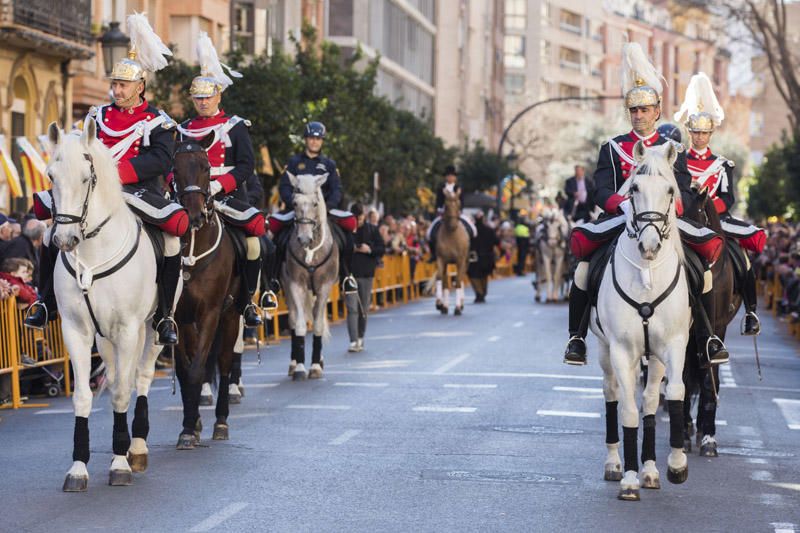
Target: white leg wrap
(582,275)
(239,346)
(438,289)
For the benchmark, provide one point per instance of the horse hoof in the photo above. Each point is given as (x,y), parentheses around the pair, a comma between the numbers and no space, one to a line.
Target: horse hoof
(234,399)
(678,476)
(537,299)
(629,495)
(457,312)
(75,484)
(315,372)
(613,473)
(443,310)
(709,450)
(206,400)
(299,373)
(120,478)
(220,432)
(687,445)
(241,389)
(138,462)
(651,481)
(186,441)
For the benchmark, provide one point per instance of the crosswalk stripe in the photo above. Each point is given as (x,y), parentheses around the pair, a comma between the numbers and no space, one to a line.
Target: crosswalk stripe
(576,414)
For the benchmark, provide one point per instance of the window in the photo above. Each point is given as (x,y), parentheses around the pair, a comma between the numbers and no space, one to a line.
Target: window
(516,11)
(514,48)
(515,84)
(570,21)
(544,52)
(565,90)
(569,58)
(544,13)
(243,22)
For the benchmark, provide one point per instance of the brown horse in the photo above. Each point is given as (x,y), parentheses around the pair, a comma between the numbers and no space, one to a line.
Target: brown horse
(452,248)
(206,312)
(704,382)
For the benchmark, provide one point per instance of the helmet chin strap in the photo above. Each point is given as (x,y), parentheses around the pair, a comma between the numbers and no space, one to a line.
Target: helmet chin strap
(127,102)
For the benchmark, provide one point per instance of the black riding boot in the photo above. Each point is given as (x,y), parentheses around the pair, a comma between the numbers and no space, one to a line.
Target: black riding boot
(44,308)
(252,269)
(165,325)
(575,354)
(269,299)
(710,347)
(274,266)
(750,325)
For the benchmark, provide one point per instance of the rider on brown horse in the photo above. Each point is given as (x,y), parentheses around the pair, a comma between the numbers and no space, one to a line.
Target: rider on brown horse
(449,183)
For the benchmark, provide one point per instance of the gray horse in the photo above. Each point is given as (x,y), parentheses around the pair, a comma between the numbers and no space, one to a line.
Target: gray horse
(310,271)
(551,243)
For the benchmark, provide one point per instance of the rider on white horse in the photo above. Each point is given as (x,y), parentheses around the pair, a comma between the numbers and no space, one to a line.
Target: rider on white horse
(232,162)
(615,165)
(449,184)
(141,139)
(312,161)
(716,174)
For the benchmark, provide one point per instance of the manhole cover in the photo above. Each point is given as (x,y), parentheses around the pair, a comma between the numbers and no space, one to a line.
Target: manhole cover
(538,430)
(497,476)
(753,452)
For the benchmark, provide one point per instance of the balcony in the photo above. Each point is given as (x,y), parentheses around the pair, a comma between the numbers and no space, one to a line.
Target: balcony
(572,65)
(566,26)
(61,27)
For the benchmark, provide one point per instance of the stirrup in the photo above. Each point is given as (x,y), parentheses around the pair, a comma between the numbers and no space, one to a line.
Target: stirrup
(744,322)
(158,326)
(349,279)
(29,312)
(253,306)
(718,361)
(269,301)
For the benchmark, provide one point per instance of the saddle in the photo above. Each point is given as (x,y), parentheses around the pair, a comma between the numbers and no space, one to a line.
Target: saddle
(597,267)
(239,239)
(157,240)
(736,253)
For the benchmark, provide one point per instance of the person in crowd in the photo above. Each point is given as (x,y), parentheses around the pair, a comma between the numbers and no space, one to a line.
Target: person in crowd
(27,245)
(18,273)
(522,234)
(482,267)
(580,191)
(368,250)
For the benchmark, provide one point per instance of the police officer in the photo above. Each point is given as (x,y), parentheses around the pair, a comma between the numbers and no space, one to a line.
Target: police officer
(313,161)
(141,139)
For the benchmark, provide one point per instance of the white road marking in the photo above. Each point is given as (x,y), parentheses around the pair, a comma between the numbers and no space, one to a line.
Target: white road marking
(578,389)
(493,338)
(180,408)
(359,384)
(61,411)
(717,422)
(160,388)
(388,363)
(453,362)
(783,527)
(425,334)
(260,385)
(319,406)
(469,386)
(219,517)
(249,415)
(518,324)
(438,409)
(344,437)
(459,374)
(757,460)
(748,431)
(726,377)
(576,414)
(790,409)
(761,475)
(790,486)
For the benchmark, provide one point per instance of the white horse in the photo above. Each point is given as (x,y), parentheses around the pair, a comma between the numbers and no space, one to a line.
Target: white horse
(551,248)
(643,309)
(309,273)
(105,284)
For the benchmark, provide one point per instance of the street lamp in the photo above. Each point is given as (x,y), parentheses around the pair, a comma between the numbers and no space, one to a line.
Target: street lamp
(115,46)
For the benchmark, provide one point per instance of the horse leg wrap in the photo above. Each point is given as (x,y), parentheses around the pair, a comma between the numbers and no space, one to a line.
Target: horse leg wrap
(709,405)
(675,408)
(141,425)
(630,442)
(649,438)
(190,394)
(298,349)
(121,438)
(222,410)
(316,352)
(80,440)
(236,368)
(612,425)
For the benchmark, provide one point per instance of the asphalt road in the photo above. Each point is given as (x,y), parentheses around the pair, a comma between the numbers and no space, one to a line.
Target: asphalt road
(443,423)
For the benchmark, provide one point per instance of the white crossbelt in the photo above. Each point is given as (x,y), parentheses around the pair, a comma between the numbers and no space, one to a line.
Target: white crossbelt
(717,167)
(220,131)
(139,130)
(219,171)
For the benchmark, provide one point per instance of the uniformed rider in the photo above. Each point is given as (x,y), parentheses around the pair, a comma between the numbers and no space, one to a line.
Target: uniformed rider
(141,139)
(642,88)
(232,162)
(313,161)
(716,175)
(450,184)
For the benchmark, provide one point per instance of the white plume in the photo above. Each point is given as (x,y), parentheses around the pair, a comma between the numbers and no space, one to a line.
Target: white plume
(150,51)
(700,97)
(210,65)
(636,65)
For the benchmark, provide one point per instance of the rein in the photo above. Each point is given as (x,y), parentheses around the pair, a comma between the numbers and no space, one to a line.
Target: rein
(66,219)
(191,259)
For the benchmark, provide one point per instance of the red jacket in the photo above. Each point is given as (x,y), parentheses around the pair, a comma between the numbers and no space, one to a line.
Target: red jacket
(27,294)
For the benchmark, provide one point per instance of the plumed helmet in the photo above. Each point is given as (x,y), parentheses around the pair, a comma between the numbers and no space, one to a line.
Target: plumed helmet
(146,53)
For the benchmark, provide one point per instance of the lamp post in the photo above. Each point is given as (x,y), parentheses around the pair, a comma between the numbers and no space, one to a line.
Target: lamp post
(115,46)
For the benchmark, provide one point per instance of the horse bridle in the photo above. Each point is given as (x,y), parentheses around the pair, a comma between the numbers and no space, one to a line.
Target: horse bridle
(67,219)
(208,200)
(650,218)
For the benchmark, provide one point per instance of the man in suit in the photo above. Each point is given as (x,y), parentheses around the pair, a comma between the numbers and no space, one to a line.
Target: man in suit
(580,191)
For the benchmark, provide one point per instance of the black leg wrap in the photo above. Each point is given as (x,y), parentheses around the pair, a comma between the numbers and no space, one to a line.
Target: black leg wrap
(298,349)
(578,309)
(649,438)
(236,368)
(141,425)
(709,404)
(612,424)
(80,440)
(316,353)
(675,408)
(222,410)
(121,438)
(630,444)
(190,394)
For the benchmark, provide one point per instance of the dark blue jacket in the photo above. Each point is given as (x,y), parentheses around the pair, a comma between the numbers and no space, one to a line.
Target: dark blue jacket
(302,164)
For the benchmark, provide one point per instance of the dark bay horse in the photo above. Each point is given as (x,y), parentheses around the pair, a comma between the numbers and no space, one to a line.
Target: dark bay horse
(206,312)
(704,382)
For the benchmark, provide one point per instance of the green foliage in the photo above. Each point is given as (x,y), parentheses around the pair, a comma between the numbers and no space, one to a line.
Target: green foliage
(481,169)
(366,134)
(776,185)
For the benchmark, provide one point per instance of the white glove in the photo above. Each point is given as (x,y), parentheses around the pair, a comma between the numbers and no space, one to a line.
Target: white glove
(214,187)
(626,207)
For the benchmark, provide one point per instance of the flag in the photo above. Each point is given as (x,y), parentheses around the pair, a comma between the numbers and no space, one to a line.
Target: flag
(9,171)
(45,147)
(33,167)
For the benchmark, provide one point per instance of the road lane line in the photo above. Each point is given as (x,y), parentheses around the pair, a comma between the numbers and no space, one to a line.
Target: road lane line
(249,415)
(359,384)
(319,406)
(518,324)
(493,338)
(219,517)
(62,411)
(578,389)
(576,414)
(761,475)
(438,409)
(469,386)
(790,409)
(453,362)
(344,437)
(343,372)
(716,422)
(180,408)
(261,385)
(783,527)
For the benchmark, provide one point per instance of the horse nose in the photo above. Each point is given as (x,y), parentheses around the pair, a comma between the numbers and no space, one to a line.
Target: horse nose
(67,245)
(196,221)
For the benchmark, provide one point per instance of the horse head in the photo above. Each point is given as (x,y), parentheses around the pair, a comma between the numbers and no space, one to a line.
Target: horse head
(652,191)
(452,203)
(192,177)
(80,165)
(309,205)
(701,209)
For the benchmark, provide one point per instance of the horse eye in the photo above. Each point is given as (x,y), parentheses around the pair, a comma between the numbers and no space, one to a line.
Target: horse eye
(671,191)
(634,188)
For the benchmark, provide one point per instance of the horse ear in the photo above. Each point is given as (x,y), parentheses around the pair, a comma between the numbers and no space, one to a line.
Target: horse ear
(703,193)
(638,151)
(54,134)
(321,179)
(672,153)
(292,179)
(89,132)
(206,141)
